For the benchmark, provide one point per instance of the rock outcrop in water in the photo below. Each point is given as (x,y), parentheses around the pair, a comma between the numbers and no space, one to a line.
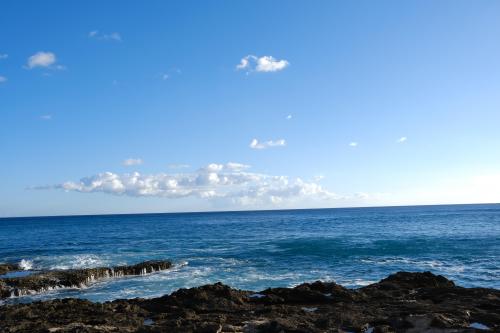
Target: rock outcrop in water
(5,268)
(73,278)
(403,302)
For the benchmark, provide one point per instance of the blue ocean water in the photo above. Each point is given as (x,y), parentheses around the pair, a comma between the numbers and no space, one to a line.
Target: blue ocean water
(256,250)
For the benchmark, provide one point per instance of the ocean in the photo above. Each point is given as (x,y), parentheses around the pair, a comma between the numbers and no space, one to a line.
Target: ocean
(260,249)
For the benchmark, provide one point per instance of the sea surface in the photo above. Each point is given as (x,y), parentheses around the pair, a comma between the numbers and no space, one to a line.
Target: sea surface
(256,250)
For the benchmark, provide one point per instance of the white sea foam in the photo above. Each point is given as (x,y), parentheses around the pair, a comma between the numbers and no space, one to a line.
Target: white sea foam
(181,264)
(78,261)
(357,282)
(26,264)
(444,266)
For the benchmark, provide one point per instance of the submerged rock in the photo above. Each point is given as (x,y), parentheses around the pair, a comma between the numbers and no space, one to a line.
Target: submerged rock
(73,278)
(403,302)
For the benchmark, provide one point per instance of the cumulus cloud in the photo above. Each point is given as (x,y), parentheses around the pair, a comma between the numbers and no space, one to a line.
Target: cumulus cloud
(289,117)
(44,60)
(353,144)
(132,161)
(3,79)
(41,59)
(256,144)
(114,36)
(263,64)
(402,139)
(230,181)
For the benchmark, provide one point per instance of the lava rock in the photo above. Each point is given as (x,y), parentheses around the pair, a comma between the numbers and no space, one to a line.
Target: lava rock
(403,302)
(73,278)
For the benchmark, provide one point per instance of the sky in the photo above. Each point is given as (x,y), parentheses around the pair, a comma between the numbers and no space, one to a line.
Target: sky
(168,106)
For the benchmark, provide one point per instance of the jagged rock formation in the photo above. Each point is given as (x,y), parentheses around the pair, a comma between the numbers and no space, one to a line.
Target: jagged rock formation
(74,278)
(403,302)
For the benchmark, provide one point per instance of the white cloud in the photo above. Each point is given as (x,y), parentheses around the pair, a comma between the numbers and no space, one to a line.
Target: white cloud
(114,36)
(44,60)
(3,79)
(353,144)
(269,64)
(244,63)
(178,166)
(3,56)
(46,117)
(261,64)
(255,144)
(237,166)
(402,139)
(41,59)
(132,161)
(289,117)
(230,181)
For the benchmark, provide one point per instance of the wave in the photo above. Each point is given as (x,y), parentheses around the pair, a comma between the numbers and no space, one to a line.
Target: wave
(26,264)
(77,261)
(447,266)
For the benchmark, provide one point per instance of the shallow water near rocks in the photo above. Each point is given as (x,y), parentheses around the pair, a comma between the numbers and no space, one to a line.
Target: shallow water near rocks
(256,250)
(15,274)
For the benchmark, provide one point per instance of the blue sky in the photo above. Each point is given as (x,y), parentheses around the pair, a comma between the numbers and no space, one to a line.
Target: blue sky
(347,103)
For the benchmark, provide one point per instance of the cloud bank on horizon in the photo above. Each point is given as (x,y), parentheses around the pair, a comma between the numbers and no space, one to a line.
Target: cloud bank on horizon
(230,181)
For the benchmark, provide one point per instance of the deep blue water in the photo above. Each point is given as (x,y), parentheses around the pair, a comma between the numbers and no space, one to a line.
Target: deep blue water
(256,250)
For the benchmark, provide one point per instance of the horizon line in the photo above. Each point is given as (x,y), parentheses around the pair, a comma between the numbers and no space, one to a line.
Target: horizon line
(247,210)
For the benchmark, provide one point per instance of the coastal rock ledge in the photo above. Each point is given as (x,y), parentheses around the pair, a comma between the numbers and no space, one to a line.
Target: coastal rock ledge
(403,302)
(73,278)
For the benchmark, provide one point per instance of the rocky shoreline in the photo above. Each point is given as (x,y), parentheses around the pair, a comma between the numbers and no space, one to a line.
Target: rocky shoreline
(40,282)
(402,302)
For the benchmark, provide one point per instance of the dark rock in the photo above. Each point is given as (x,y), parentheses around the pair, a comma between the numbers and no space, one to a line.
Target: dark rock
(73,278)
(403,302)
(416,280)
(5,268)
(210,297)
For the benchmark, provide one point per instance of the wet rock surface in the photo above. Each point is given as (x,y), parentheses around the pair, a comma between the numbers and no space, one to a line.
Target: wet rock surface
(403,302)
(5,268)
(73,278)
